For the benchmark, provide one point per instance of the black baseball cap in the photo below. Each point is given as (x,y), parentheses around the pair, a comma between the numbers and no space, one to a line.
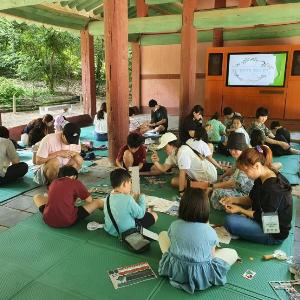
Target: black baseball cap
(237,141)
(71,131)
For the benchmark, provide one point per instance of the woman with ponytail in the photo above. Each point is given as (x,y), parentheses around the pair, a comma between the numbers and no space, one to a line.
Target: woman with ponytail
(265,215)
(100,123)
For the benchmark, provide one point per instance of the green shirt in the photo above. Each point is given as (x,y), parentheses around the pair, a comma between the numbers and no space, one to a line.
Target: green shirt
(217,129)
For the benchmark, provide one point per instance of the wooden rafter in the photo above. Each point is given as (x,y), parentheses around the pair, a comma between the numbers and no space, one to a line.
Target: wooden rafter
(66,9)
(7,4)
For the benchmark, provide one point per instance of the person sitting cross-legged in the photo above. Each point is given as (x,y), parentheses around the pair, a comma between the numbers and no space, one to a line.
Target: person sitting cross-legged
(58,208)
(128,210)
(134,154)
(10,166)
(57,150)
(190,258)
(278,144)
(200,172)
(159,117)
(265,215)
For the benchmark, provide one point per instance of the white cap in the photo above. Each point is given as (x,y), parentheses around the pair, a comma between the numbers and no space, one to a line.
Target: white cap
(166,138)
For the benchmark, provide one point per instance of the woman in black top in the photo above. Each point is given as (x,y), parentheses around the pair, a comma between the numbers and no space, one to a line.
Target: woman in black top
(37,129)
(270,197)
(191,123)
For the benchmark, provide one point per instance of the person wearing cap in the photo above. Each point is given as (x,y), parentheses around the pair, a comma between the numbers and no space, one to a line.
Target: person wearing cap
(134,154)
(57,150)
(159,117)
(191,167)
(237,184)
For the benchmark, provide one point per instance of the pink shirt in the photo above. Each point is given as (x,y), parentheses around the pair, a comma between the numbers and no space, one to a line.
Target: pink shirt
(52,143)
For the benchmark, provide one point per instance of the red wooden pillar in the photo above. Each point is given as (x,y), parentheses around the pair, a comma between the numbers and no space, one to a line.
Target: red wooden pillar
(141,11)
(218,37)
(188,59)
(136,74)
(218,32)
(88,73)
(117,83)
(245,3)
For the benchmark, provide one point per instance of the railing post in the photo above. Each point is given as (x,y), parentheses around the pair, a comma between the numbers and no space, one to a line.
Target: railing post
(81,100)
(14,104)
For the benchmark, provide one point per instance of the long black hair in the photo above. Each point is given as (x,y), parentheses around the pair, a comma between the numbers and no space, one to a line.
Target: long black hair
(196,109)
(100,113)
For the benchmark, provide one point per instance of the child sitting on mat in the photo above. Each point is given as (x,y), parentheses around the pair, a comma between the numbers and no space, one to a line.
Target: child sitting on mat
(58,208)
(127,211)
(190,259)
(269,219)
(134,154)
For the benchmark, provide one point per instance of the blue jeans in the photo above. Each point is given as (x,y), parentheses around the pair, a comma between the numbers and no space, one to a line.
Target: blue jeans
(102,137)
(248,229)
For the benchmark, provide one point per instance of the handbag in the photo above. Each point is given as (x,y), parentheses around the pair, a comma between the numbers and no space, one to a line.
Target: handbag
(131,238)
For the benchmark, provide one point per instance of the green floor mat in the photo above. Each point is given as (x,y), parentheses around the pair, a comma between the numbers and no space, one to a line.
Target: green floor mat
(16,188)
(87,133)
(13,278)
(167,292)
(34,249)
(20,185)
(38,291)
(86,270)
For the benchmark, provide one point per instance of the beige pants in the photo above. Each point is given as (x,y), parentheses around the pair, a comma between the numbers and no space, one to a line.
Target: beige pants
(228,255)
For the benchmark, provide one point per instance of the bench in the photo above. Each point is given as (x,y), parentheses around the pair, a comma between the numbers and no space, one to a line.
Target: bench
(60,107)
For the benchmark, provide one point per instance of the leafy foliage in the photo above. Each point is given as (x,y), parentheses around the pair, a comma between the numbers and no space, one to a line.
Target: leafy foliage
(37,53)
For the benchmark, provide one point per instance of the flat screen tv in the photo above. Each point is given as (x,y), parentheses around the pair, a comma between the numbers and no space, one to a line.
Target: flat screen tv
(256,69)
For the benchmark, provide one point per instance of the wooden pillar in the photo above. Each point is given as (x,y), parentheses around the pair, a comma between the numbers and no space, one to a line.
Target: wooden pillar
(141,8)
(117,83)
(88,73)
(218,37)
(245,3)
(188,59)
(136,74)
(141,11)
(218,32)
(0,119)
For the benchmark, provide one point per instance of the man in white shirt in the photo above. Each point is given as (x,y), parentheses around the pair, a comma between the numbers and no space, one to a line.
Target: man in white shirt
(190,165)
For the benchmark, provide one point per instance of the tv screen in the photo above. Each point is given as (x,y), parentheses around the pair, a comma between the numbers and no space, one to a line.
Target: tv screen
(256,69)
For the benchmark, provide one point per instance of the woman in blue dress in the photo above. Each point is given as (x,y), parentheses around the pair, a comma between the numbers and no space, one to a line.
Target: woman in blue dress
(190,259)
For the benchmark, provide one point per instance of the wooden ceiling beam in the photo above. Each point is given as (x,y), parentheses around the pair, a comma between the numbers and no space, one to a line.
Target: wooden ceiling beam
(50,17)
(245,17)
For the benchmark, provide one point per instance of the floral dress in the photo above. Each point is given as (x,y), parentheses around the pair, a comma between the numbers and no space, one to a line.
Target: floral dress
(243,188)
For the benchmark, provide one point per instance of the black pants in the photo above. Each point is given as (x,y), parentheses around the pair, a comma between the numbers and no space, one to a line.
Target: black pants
(282,136)
(147,221)
(13,172)
(82,213)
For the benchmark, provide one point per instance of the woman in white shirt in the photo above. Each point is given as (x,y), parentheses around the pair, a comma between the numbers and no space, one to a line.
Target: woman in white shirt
(100,123)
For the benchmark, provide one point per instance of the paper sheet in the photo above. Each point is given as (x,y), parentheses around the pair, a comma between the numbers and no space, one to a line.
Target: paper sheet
(162,205)
(135,178)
